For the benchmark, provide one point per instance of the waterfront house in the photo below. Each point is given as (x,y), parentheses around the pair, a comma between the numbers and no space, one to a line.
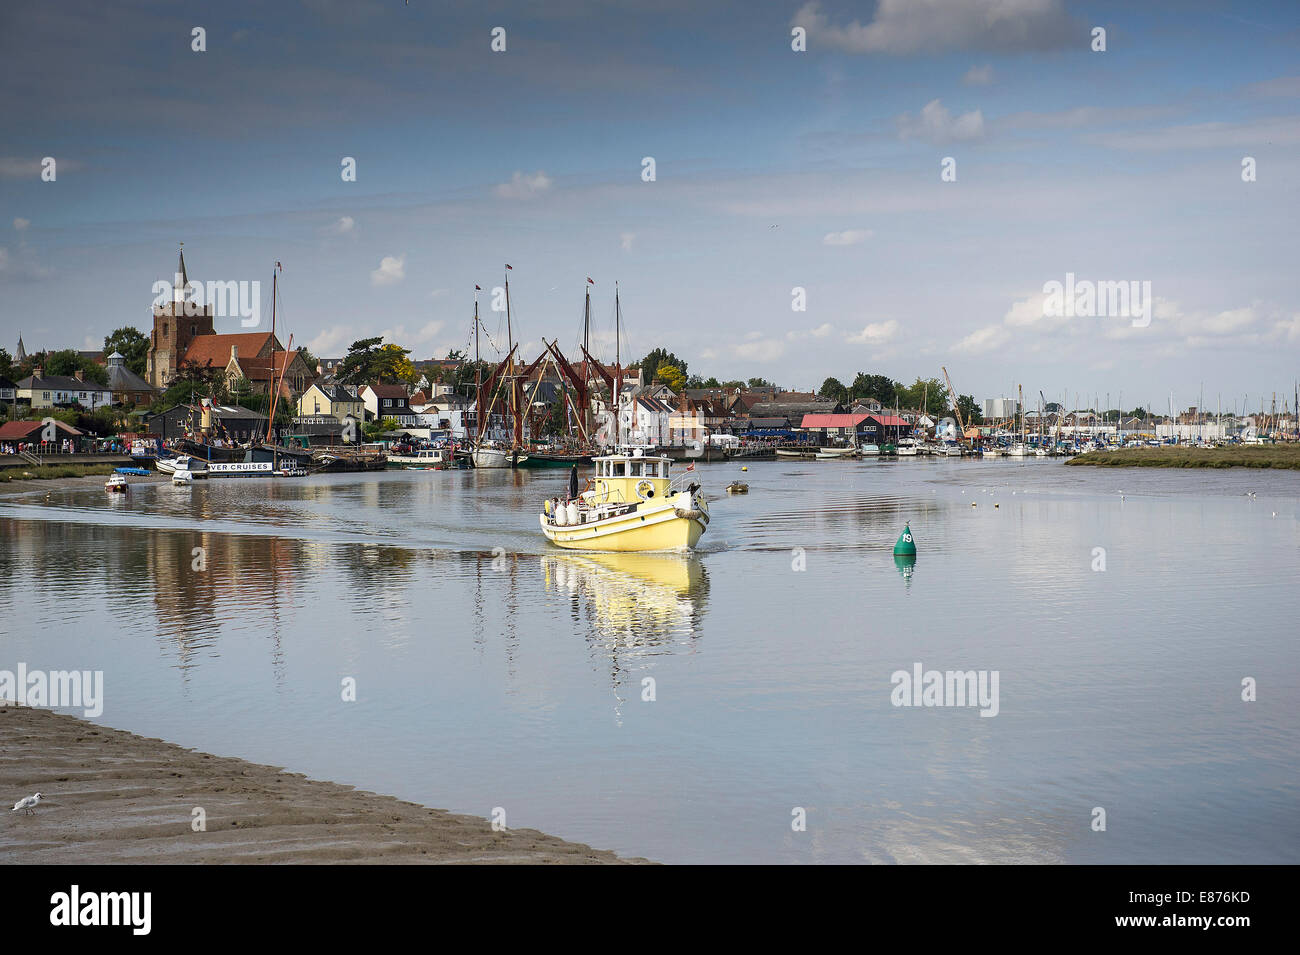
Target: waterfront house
(388,401)
(59,391)
(336,401)
(8,391)
(227,422)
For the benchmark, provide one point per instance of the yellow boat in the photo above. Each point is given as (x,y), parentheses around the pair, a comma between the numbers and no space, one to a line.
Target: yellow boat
(630,504)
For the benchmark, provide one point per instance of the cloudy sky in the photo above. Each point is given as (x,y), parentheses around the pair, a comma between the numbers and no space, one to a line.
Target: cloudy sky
(774,170)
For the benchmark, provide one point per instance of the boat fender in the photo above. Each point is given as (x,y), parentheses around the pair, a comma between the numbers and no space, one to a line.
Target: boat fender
(572,514)
(690,514)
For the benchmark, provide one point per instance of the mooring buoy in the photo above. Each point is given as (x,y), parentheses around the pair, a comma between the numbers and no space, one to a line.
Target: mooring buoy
(905,546)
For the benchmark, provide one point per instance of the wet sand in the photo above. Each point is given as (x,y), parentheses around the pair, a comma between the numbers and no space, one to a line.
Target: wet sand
(111,797)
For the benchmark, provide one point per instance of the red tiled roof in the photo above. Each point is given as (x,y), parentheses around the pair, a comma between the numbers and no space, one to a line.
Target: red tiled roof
(260,369)
(216,348)
(833,420)
(26,430)
(888,420)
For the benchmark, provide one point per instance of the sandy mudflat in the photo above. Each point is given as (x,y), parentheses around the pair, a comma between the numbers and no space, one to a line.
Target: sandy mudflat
(113,797)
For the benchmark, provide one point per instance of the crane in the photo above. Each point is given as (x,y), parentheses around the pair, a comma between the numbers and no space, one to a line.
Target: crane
(955,403)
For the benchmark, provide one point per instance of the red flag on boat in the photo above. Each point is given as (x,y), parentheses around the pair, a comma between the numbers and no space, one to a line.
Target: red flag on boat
(510,266)
(691,466)
(590,281)
(478,288)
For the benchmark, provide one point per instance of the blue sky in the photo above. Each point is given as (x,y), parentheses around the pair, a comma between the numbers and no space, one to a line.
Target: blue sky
(774,169)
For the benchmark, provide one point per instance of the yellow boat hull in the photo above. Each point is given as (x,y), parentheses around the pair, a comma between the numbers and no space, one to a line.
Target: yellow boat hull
(667,527)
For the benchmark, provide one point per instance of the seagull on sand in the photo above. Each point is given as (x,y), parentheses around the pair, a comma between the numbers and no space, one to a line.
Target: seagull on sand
(27,804)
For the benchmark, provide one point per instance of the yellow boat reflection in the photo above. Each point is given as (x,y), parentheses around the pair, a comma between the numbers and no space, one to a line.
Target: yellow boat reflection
(640,600)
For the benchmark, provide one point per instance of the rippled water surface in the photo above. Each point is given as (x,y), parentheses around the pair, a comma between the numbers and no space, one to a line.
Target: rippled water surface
(494,670)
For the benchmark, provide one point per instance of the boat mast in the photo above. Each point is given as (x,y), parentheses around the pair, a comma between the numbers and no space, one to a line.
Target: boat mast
(618,370)
(478,378)
(516,424)
(270,423)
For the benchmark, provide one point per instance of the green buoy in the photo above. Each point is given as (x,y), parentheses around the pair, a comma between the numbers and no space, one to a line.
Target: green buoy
(905,546)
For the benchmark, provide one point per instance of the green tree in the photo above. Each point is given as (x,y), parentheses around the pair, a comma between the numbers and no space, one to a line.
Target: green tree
(133,345)
(970,411)
(358,364)
(880,387)
(657,358)
(7,367)
(710,382)
(833,389)
(68,361)
(761,383)
(732,385)
(925,394)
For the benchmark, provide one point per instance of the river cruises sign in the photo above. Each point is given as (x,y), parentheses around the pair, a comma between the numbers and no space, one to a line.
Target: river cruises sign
(242,467)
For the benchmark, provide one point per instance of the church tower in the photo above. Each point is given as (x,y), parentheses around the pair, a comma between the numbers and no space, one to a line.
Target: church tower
(175,324)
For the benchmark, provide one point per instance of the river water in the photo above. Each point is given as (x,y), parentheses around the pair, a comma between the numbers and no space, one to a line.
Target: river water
(694,709)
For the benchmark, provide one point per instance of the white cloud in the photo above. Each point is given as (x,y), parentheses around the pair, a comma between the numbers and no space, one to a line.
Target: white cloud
(329,342)
(978,76)
(936,125)
(523,186)
(1266,131)
(821,331)
(342,226)
(21,224)
(982,340)
(392,269)
(439,292)
(626,239)
(760,349)
(847,237)
(876,333)
(932,26)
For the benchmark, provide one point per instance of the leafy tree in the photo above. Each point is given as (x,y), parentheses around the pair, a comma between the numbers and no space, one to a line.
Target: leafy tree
(833,389)
(67,362)
(880,387)
(732,385)
(926,394)
(357,365)
(761,383)
(657,358)
(391,364)
(7,367)
(134,346)
(970,411)
(710,382)
(671,376)
(311,360)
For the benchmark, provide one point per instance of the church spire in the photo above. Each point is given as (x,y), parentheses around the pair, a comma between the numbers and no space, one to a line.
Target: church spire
(182,278)
(21,354)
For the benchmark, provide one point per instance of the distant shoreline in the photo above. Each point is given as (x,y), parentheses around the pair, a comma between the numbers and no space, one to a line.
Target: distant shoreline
(111,797)
(1271,456)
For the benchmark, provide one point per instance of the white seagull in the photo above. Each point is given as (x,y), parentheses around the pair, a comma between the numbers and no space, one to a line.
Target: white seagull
(27,804)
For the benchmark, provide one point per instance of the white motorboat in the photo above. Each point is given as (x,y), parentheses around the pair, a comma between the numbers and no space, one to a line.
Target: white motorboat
(906,448)
(423,458)
(847,451)
(182,462)
(1017,451)
(183,478)
(117,484)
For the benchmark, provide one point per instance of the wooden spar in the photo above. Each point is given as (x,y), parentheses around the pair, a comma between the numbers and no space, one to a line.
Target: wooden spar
(270,418)
(478,377)
(491,383)
(579,385)
(618,371)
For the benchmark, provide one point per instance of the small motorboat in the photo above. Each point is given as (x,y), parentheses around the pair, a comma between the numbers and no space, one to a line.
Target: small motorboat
(117,484)
(183,478)
(737,487)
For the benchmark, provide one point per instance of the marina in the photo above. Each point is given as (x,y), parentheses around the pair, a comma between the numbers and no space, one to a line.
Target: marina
(530,659)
